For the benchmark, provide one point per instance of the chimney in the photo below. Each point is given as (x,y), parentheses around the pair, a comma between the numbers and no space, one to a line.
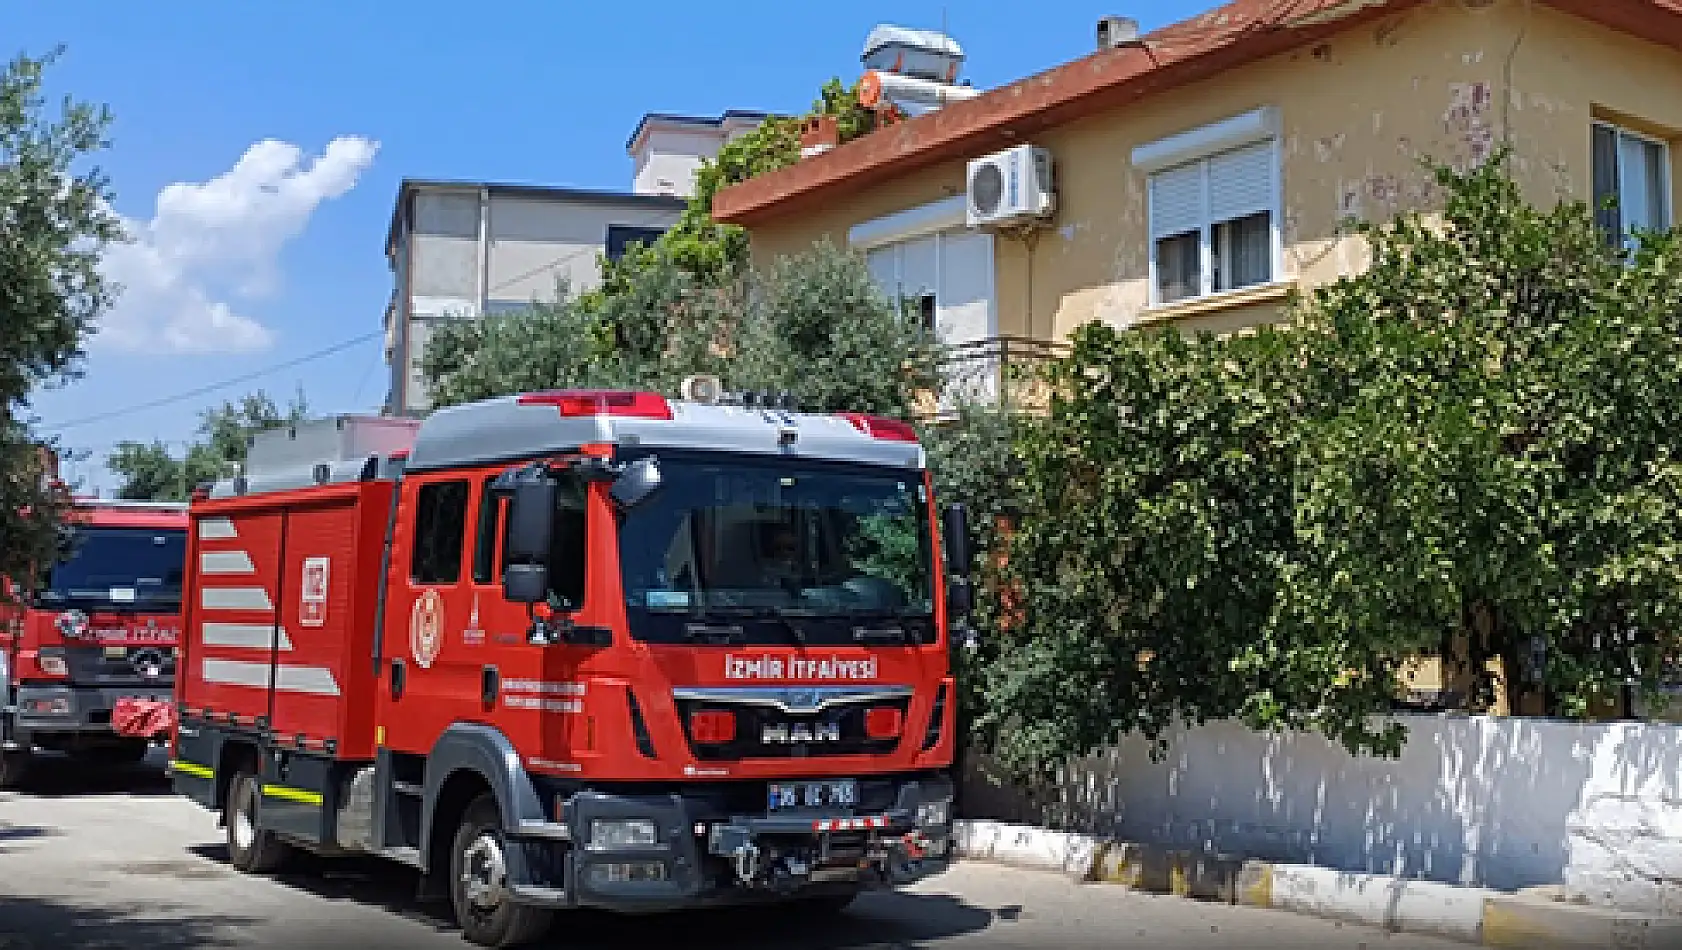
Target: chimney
(1116,31)
(819,134)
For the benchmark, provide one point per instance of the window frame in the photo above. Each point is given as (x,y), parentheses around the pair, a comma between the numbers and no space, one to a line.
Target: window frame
(645,235)
(1206,236)
(492,514)
(586,492)
(422,513)
(926,304)
(1622,237)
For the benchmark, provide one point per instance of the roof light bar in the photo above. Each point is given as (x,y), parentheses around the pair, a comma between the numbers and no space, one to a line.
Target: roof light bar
(601,402)
(877,427)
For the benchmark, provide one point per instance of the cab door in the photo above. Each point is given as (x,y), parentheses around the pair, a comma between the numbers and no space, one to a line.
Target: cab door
(430,678)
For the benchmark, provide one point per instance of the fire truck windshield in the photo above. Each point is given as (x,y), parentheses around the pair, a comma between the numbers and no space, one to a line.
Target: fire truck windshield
(118,568)
(779,550)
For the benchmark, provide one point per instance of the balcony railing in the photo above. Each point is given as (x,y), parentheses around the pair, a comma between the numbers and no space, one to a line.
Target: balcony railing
(997,371)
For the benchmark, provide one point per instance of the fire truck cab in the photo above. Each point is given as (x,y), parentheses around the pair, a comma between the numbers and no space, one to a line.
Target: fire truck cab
(579,649)
(87,659)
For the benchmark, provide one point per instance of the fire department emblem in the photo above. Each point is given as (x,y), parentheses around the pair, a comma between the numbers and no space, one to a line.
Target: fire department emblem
(426,628)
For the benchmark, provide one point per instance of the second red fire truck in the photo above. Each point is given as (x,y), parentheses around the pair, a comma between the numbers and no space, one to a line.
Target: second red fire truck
(580,649)
(87,657)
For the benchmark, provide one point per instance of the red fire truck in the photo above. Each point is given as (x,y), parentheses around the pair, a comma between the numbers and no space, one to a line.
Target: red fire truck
(87,659)
(580,649)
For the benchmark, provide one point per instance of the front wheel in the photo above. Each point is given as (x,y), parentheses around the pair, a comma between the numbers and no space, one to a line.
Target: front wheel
(250,848)
(479,886)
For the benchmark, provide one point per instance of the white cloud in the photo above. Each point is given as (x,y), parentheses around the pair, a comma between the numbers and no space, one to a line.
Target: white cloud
(211,241)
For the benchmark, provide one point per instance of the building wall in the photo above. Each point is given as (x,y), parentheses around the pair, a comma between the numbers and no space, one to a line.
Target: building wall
(1487,801)
(1446,80)
(668,160)
(528,245)
(534,243)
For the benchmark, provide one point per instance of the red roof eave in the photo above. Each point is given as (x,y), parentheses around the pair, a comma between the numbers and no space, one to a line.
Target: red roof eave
(1240,32)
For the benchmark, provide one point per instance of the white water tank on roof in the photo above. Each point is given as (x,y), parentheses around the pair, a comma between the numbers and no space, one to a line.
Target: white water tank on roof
(340,438)
(911,95)
(925,54)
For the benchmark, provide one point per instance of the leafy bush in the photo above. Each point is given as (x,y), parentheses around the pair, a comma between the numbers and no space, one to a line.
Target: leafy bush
(1469,447)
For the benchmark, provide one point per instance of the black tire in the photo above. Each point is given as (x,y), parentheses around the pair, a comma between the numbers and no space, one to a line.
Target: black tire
(250,848)
(484,908)
(14,764)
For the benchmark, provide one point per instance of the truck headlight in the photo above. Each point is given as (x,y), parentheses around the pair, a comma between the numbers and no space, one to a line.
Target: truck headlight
(52,662)
(931,814)
(613,833)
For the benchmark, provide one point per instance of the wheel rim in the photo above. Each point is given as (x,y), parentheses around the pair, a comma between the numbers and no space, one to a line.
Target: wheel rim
(244,828)
(484,874)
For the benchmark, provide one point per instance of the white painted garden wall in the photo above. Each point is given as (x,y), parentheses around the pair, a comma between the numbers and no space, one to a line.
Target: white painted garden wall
(1502,803)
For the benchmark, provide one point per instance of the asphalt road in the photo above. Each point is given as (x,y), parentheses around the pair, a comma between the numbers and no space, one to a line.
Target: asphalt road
(90,860)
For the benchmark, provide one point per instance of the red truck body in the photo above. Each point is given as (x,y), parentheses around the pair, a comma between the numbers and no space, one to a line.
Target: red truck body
(87,660)
(498,646)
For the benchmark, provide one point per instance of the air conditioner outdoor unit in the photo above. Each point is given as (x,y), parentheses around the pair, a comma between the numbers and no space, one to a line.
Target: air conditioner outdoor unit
(1012,187)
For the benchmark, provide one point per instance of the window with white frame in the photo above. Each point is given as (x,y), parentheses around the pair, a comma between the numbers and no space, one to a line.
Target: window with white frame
(1633,169)
(1212,223)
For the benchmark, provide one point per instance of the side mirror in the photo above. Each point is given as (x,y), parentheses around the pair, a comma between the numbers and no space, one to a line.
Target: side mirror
(525,583)
(960,598)
(531,517)
(956,529)
(639,480)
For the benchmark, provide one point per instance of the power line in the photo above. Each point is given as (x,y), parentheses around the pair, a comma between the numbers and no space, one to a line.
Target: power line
(571,256)
(204,390)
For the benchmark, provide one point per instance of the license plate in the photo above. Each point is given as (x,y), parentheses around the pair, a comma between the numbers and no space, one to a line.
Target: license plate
(827,793)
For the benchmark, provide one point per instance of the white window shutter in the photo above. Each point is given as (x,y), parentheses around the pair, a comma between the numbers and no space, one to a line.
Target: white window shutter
(1176,201)
(1241,182)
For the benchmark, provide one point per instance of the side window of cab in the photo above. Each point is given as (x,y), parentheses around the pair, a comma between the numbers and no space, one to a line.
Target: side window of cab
(569,543)
(440,529)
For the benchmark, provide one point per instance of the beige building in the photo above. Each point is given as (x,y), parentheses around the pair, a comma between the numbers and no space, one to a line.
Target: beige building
(1200,172)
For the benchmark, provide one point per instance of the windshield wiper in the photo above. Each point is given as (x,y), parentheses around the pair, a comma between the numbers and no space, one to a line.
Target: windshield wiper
(782,617)
(710,626)
(879,625)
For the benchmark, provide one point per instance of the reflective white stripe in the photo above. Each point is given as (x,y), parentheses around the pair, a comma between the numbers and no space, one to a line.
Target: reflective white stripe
(288,679)
(235,673)
(217,529)
(246,636)
(235,598)
(306,679)
(226,562)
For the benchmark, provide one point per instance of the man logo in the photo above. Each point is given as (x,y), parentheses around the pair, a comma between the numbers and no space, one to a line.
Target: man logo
(785,734)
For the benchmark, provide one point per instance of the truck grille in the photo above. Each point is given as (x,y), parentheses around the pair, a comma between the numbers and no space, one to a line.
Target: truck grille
(122,666)
(765,731)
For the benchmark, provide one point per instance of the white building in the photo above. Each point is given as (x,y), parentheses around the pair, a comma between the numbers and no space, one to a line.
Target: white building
(460,249)
(667,150)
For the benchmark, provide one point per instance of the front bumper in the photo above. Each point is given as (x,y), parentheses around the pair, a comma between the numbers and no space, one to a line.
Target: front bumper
(66,711)
(702,858)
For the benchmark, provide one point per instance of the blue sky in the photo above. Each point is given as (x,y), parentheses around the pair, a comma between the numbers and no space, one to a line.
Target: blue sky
(244,270)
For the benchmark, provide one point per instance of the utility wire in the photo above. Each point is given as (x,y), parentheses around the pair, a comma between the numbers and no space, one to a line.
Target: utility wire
(651,220)
(203,390)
